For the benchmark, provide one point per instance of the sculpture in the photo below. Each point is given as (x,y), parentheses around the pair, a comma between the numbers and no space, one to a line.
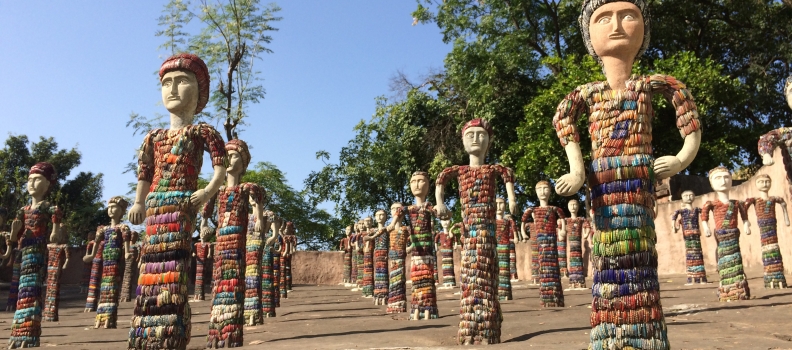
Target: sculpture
(513,248)
(11,258)
(380,258)
(781,137)
(623,169)
(688,218)
(130,266)
(357,256)
(254,244)
(419,218)
(479,306)
(204,260)
(227,315)
(397,252)
(733,282)
(548,221)
(445,241)
(345,247)
(95,257)
(87,265)
(168,198)
(113,245)
(504,234)
(269,291)
(368,258)
(284,251)
(577,229)
(57,260)
(764,206)
(528,231)
(29,230)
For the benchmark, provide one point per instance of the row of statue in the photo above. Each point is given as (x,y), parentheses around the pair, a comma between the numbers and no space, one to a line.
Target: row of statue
(626,308)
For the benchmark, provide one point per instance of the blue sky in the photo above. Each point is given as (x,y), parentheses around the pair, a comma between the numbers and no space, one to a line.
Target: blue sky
(75,70)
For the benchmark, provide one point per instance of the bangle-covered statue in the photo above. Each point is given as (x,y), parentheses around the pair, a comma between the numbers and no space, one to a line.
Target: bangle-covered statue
(548,221)
(269,291)
(253,252)
(445,241)
(344,247)
(480,311)
(58,258)
(764,205)
(398,233)
(380,258)
(577,229)
(204,257)
(419,216)
(781,137)
(504,233)
(368,257)
(95,257)
(167,199)
(130,266)
(688,218)
(114,237)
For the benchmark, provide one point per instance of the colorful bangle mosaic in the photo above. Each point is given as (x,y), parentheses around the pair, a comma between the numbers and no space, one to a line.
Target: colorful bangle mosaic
(480,310)
(574,237)
(57,255)
(733,282)
(107,310)
(130,275)
(276,274)
(771,253)
(545,219)
(446,245)
(381,269)
(502,233)
(397,287)
(202,260)
(424,291)
(353,263)
(284,291)
(86,275)
(13,289)
(96,278)
(694,257)
(253,247)
(780,137)
(267,285)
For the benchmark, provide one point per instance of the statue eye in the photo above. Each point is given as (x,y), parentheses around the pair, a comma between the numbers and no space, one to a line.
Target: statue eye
(629,17)
(604,20)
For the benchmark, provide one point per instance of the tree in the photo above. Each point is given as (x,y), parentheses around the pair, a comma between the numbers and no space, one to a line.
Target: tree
(79,197)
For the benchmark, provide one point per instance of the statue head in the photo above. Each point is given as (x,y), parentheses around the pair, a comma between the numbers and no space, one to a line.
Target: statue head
(41,177)
(116,208)
(397,211)
(688,196)
(368,222)
(185,83)
(381,216)
(500,205)
(476,137)
(419,184)
(619,28)
(238,157)
(788,90)
(349,230)
(720,179)
(543,190)
(573,205)
(445,224)
(763,183)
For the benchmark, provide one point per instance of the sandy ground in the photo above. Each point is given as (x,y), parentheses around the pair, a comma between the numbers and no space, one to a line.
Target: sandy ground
(332,317)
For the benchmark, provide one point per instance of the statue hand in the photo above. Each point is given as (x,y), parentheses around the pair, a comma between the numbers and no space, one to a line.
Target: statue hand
(87,258)
(707,233)
(665,167)
(442,211)
(198,198)
(16,225)
(137,214)
(206,231)
(65,262)
(747,228)
(767,159)
(569,184)
(257,227)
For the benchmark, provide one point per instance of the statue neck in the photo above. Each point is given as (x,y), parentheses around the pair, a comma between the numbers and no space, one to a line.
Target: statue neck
(542,202)
(573,215)
(420,200)
(723,196)
(764,195)
(617,71)
(180,120)
(115,222)
(688,206)
(477,160)
(232,179)
(499,215)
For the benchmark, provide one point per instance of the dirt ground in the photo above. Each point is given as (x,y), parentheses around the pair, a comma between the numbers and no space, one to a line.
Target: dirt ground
(332,317)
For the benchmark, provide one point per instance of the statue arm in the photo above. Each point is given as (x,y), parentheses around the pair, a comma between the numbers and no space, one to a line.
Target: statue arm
(705,218)
(687,121)
(769,141)
(783,205)
(145,175)
(744,216)
(441,211)
(214,143)
(565,124)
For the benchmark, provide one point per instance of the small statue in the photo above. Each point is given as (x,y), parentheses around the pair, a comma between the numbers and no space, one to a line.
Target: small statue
(131,258)
(764,206)
(357,257)
(58,259)
(368,258)
(12,258)
(419,217)
(344,246)
(781,137)
(445,244)
(513,248)
(277,243)
(269,291)
(95,257)
(29,230)
(577,230)
(527,230)
(504,234)
(688,218)
(113,245)
(254,244)
(733,282)
(398,234)
(86,274)
(479,306)
(380,258)
(204,260)
(548,221)
(288,248)
(233,199)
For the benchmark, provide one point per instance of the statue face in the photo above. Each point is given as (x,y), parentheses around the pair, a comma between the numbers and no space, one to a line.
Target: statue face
(543,191)
(368,222)
(180,91)
(687,197)
(37,185)
(115,212)
(348,230)
(476,141)
(394,211)
(235,165)
(763,184)
(445,224)
(721,181)
(617,30)
(573,206)
(380,216)
(500,205)
(419,186)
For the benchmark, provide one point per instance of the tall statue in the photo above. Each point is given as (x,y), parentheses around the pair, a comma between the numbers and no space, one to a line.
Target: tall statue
(513,248)
(87,264)
(58,258)
(688,218)
(623,169)
(504,234)
(368,258)
(167,198)
(11,258)
(204,258)
(733,282)
(30,230)
(114,236)
(445,241)
(479,307)
(131,258)
(380,258)
(764,205)
(95,257)
(254,244)
(548,221)
(781,137)
(269,291)
(577,230)
(419,217)
(398,233)
(358,255)
(228,281)
(277,244)
(344,246)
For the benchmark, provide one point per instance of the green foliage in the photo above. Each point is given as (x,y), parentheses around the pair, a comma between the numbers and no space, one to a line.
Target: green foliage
(79,198)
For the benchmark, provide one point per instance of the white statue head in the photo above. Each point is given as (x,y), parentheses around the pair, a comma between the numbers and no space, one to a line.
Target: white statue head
(238,157)
(185,84)
(500,205)
(573,205)
(116,208)
(477,137)
(368,222)
(445,224)
(763,183)
(543,190)
(419,184)
(397,212)
(380,216)
(348,230)
(615,28)
(41,177)
(720,179)
(688,196)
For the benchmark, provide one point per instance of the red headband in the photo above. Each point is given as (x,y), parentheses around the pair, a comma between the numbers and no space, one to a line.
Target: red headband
(478,122)
(45,169)
(194,64)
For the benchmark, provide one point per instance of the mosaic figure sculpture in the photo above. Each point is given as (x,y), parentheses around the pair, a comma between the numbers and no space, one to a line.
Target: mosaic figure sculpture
(269,291)
(688,218)
(480,311)
(291,241)
(254,244)
(86,274)
(422,258)
(95,257)
(623,170)
(547,221)
(504,234)
(58,258)
(513,248)
(368,258)
(11,258)
(381,245)
(112,249)
(204,260)
(782,138)
(284,251)
(398,234)
(131,257)
(733,282)
(764,205)
(167,198)
(357,256)
(228,281)
(577,231)
(29,230)
(445,243)
(344,246)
